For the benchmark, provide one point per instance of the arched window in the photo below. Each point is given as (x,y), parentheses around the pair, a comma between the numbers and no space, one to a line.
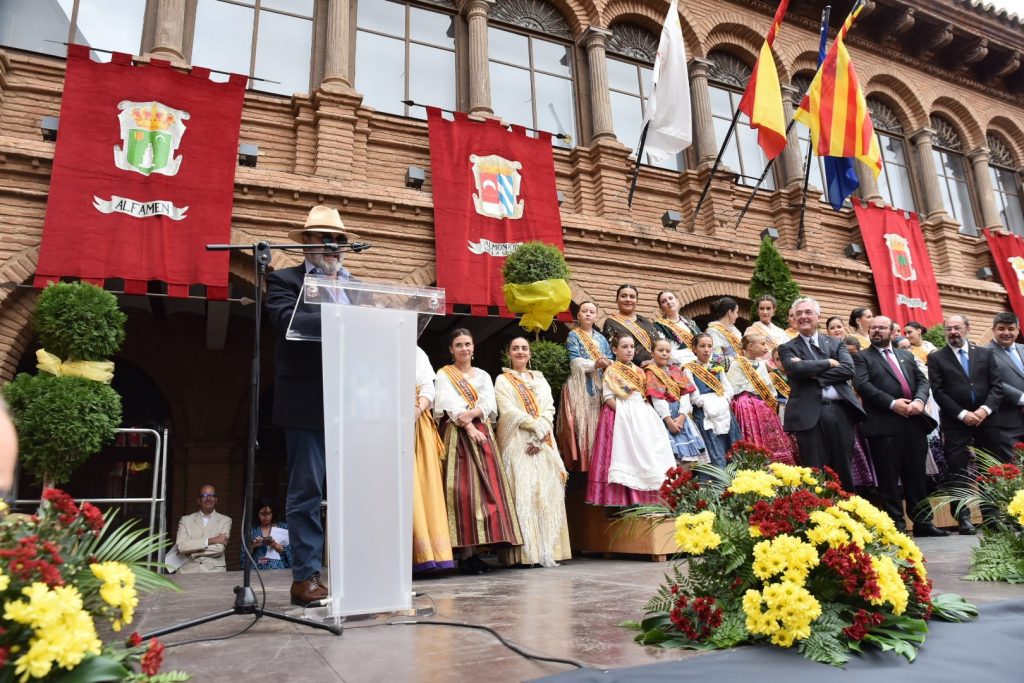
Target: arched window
(1005,184)
(728,78)
(269,39)
(801,83)
(952,171)
(531,66)
(405,52)
(894,181)
(42,26)
(631,51)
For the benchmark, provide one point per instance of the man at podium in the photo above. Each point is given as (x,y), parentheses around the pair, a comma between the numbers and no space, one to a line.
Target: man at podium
(298,395)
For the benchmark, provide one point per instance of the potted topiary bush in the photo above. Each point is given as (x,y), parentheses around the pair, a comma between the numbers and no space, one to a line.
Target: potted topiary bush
(536,284)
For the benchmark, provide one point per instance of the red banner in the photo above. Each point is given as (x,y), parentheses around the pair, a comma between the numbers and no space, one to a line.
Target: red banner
(899,262)
(1008,253)
(493,190)
(143,175)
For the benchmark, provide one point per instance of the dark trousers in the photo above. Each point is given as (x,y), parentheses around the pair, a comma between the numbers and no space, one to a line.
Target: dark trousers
(959,438)
(901,458)
(1008,438)
(307,469)
(829,443)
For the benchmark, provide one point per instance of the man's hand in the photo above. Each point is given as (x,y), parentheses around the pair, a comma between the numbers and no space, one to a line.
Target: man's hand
(219,538)
(981,414)
(916,407)
(833,363)
(901,407)
(971,419)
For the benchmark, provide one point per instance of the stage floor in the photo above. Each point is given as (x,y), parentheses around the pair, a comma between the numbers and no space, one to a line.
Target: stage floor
(569,611)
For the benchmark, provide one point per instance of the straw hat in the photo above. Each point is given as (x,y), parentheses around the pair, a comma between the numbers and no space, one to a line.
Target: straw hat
(324,220)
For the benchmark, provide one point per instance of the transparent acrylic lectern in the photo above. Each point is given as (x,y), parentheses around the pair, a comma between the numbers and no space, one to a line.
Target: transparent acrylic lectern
(367,333)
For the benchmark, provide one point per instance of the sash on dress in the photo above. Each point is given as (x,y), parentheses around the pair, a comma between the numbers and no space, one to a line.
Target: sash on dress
(589,345)
(672,388)
(527,399)
(705,375)
(462,385)
(780,382)
(683,335)
(639,333)
(628,378)
(760,386)
(733,340)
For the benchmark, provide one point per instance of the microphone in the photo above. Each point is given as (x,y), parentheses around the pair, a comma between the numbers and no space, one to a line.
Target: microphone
(334,247)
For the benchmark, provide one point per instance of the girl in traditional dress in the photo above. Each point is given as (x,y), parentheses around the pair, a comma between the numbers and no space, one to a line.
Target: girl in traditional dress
(860,321)
(723,331)
(526,412)
(627,322)
(589,355)
(631,455)
(773,334)
(835,328)
(781,383)
(862,470)
(919,346)
(791,331)
(480,507)
(935,464)
(669,392)
(756,403)
(711,409)
(431,541)
(677,329)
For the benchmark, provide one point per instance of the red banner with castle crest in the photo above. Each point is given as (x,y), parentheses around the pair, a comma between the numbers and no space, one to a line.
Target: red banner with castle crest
(493,190)
(143,175)
(1008,253)
(899,261)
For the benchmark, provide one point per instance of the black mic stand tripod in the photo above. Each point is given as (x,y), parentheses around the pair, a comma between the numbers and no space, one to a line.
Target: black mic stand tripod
(245,598)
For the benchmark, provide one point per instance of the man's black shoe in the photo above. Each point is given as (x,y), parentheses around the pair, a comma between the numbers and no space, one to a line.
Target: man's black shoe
(921,530)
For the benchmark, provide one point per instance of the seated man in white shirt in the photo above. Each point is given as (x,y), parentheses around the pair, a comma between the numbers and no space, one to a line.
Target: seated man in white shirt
(203,536)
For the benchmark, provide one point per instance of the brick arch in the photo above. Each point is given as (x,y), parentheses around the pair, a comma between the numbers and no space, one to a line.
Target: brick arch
(961,118)
(733,32)
(798,55)
(1011,133)
(16,329)
(901,98)
(803,62)
(650,15)
(579,14)
(712,290)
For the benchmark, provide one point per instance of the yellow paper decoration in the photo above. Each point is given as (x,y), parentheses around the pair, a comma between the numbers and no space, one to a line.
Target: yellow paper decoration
(96,370)
(539,302)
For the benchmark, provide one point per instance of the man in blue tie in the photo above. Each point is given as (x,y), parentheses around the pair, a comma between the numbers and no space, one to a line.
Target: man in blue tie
(968,388)
(1009,357)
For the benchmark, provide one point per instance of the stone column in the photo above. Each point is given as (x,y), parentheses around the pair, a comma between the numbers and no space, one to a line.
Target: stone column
(983,185)
(595,40)
(336,64)
(792,161)
(170,24)
(479,69)
(868,183)
(700,97)
(933,206)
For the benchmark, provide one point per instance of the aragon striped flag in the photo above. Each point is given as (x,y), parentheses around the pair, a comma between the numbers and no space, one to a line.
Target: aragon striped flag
(835,110)
(762,100)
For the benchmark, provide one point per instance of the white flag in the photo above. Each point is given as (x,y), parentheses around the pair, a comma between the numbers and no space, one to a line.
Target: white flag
(668,109)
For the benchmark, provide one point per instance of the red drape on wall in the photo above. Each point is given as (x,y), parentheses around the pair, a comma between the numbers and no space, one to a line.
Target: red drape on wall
(1008,253)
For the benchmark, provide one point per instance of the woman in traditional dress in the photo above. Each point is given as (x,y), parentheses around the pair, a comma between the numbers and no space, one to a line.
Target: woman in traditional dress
(711,409)
(723,331)
(526,413)
(781,383)
(677,329)
(935,464)
(480,506)
(919,346)
(627,322)
(431,541)
(631,455)
(773,335)
(669,392)
(589,355)
(791,331)
(862,470)
(835,328)
(756,404)
(860,321)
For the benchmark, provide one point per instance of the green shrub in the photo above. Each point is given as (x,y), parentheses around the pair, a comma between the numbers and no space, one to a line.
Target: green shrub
(61,421)
(772,276)
(77,321)
(533,262)
(936,334)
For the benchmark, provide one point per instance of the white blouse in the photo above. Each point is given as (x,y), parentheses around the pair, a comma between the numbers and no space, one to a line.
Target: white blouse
(740,383)
(449,400)
(424,375)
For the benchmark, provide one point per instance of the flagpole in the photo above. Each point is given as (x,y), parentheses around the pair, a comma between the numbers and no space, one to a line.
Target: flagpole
(714,167)
(636,170)
(800,237)
(767,170)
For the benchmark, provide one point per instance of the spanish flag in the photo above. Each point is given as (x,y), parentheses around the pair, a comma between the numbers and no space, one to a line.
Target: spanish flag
(835,110)
(762,101)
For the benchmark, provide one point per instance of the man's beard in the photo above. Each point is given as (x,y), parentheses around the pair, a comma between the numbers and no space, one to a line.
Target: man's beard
(328,266)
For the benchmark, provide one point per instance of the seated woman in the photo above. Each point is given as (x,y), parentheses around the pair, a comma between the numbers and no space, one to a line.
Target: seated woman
(480,504)
(711,409)
(756,403)
(526,412)
(431,542)
(630,454)
(669,392)
(267,551)
(589,355)
(627,322)
(676,328)
(773,334)
(723,331)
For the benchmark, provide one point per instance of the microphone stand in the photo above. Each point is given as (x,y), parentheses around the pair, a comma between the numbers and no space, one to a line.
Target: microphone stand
(245,598)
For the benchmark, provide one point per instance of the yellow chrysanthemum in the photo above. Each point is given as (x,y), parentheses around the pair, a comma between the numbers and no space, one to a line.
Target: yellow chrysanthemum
(755,481)
(836,527)
(695,532)
(5,581)
(790,609)
(785,555)
(118,590)
(791,475)
(892,588)
(1016,506)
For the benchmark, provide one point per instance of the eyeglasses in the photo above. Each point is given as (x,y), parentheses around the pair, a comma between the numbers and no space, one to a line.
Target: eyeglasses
(207,495)
(954,328)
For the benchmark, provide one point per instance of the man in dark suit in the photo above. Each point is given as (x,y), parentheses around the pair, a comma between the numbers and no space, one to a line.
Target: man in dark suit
(1009,357)
(299,395)
(894,391)
(822,407)
(968,388)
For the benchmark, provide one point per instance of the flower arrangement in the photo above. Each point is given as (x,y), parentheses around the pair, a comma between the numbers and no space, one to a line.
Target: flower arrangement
(782,554)
(64,572)
(999,491)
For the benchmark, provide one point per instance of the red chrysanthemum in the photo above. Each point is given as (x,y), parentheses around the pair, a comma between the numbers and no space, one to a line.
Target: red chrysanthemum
(863,621)
(782,514)
(855,570)
(695,618)
(134,640)
(63,503)
(153,659)
(93,517)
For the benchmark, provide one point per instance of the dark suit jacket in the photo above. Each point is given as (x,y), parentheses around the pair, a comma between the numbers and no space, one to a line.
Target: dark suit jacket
(807,375)
(1009,415)
(878,387)
(952,388)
